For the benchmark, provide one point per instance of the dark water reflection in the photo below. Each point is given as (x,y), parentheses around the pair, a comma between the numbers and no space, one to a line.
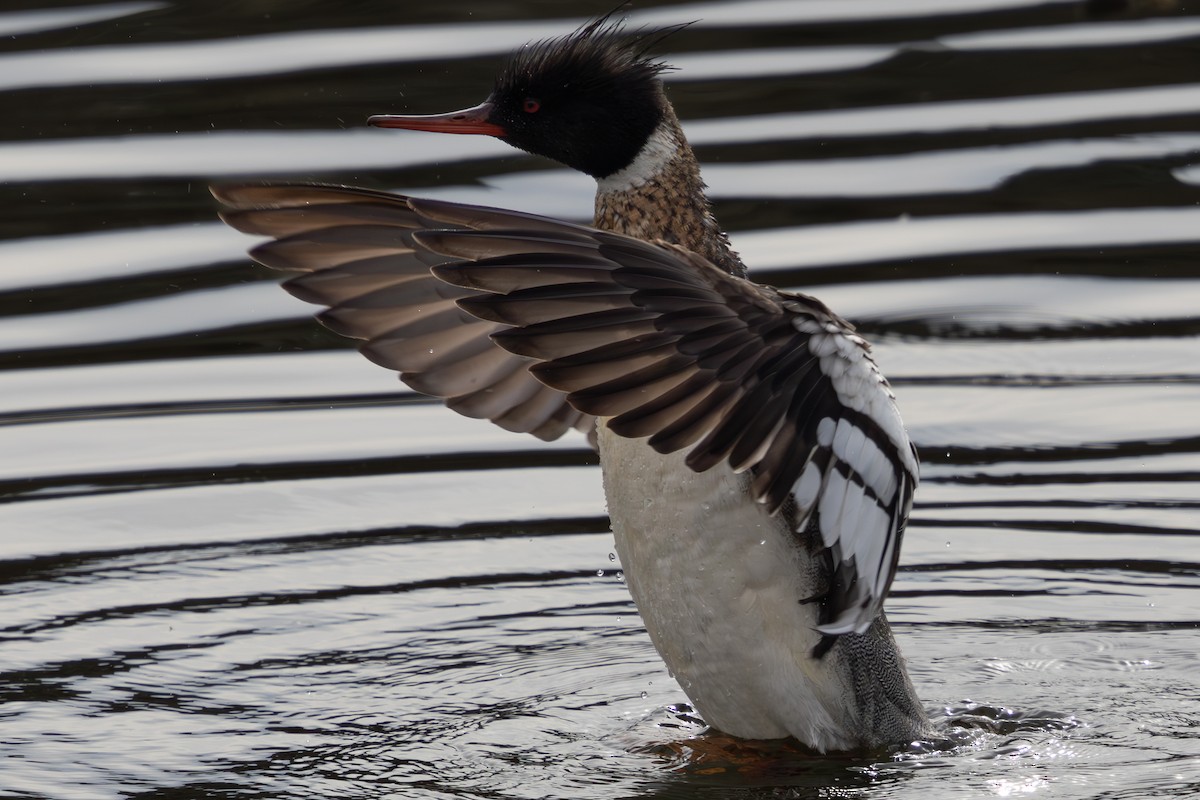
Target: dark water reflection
(236,560)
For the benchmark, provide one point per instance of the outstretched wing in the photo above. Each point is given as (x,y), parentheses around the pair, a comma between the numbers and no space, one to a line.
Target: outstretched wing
(651,336)
(670,347)
(355,249)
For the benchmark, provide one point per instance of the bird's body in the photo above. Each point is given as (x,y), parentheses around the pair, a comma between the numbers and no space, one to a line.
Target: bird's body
(756,471)
(723,610)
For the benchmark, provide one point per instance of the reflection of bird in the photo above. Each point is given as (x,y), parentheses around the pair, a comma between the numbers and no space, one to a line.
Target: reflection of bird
(757,473)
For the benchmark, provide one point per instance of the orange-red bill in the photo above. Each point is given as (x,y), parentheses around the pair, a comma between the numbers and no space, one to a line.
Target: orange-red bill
(469,120)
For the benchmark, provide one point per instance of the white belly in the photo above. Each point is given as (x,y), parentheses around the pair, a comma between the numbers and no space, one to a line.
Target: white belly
(719,585)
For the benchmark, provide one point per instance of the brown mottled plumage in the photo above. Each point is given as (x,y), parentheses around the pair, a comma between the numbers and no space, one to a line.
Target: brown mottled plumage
(670,206)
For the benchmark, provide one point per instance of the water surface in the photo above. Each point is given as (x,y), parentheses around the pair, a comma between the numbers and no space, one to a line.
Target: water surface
(239,561)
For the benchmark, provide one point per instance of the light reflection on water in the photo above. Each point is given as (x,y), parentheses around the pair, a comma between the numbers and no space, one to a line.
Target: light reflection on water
(237,560)
(26,22)
(224,153)
(962,234)
(1007,112)
(240,57)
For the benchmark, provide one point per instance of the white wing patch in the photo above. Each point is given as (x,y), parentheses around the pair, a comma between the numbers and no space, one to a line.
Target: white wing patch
(858,478)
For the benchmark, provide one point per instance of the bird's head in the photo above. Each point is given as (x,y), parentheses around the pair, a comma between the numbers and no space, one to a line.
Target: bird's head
(589,100)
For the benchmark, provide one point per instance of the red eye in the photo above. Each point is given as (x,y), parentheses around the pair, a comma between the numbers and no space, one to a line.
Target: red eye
(531,106)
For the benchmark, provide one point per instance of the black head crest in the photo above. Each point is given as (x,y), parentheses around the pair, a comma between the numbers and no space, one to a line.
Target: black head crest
(589,99)
(599,52)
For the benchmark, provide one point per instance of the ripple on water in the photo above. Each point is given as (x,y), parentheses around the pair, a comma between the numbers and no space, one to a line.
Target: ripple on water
(237,562)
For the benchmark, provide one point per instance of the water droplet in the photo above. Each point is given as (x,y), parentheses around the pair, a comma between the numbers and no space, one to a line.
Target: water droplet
(621,576)
(599,573)
(612,556)
(645,695)
(762,541)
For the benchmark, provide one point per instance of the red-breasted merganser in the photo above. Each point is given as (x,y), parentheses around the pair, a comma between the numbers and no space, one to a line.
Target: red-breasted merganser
(757,472)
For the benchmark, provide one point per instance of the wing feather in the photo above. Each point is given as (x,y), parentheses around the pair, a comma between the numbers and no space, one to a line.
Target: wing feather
(771,383)
(541,326)
(358,255)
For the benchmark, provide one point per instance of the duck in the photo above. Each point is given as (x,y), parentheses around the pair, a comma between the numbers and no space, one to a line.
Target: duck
(757,472)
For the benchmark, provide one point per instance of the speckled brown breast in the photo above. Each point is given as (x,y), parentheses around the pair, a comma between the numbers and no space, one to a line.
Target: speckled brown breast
(670,206)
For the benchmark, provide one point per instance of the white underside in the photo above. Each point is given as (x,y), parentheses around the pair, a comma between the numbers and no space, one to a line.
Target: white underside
(718,583)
